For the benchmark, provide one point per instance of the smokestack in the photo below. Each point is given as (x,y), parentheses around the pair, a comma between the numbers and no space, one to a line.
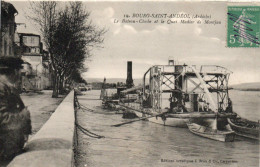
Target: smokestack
(129,80)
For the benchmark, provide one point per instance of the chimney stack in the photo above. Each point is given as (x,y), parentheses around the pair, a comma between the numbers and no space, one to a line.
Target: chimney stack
(129,80)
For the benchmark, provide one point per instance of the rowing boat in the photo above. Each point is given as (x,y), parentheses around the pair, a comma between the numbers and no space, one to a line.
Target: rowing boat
(219,135)
(245,128)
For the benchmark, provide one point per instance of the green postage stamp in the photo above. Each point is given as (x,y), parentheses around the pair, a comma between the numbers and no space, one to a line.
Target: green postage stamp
(243,29)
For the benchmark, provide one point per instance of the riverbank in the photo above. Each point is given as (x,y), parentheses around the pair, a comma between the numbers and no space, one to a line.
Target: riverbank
(255,86)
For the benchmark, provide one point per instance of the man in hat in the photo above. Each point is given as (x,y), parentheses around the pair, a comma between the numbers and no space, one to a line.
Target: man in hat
(15,122)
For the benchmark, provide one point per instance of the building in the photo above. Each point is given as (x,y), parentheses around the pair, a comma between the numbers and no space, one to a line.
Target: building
(31,51)
(8,27)
(35,74)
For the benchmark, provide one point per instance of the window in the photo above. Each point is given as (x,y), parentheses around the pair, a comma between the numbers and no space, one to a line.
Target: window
(32,40)
(24,40)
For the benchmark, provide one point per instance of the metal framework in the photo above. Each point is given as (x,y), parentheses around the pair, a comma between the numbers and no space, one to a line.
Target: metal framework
(182,79)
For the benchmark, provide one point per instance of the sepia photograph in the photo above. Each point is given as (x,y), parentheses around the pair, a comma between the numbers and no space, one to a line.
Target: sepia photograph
(120,83)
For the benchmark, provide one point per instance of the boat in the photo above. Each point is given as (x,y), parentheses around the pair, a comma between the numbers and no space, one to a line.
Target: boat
(245,128)
(219,135)
(180,93)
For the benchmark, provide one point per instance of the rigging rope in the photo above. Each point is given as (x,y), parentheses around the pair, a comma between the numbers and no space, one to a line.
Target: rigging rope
(82,129)
(80,106)
(88,133)
(86,108)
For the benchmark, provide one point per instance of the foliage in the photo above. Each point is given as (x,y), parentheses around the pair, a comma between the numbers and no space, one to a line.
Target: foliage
(69,37)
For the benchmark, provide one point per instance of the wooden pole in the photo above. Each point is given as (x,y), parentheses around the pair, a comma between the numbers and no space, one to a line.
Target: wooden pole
(117,125)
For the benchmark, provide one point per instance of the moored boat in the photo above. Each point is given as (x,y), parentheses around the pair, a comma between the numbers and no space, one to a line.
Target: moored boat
(181,93)
(219,135)
(245,128)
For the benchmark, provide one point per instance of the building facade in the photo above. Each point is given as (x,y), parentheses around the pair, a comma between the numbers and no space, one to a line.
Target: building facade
(27,46)
(8,27)
(36,76)
(7,45)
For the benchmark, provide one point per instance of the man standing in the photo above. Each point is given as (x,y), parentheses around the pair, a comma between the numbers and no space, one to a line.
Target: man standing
(15,122)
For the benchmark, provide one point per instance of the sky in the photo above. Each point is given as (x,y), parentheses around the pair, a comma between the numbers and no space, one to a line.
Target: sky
(147,44)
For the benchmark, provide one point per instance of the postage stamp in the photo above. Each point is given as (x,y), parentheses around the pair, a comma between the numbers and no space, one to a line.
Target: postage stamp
(243,29)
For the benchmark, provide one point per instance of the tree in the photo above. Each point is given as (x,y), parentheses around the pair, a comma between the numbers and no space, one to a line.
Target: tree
(69,37)
(44,14)
(74,38)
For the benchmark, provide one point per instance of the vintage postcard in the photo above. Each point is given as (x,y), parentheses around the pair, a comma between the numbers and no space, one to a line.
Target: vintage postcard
(130,83)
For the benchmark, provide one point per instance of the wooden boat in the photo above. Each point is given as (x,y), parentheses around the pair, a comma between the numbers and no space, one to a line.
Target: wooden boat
(245,128)
(224,136)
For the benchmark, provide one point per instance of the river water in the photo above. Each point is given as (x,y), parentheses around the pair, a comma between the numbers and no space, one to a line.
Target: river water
(144,143)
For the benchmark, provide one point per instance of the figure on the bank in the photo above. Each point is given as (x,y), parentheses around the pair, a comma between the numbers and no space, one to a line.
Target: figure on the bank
(15,122)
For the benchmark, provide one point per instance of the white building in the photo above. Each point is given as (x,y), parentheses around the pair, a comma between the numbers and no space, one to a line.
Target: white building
(32,53)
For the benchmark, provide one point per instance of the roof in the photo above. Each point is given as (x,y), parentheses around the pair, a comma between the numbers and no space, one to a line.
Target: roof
(28,34)
(8,8)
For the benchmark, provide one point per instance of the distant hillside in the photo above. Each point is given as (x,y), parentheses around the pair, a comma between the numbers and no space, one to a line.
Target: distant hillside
(254,86)
(113,80)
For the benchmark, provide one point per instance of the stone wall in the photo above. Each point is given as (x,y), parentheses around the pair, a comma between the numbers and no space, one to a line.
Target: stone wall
(52,145)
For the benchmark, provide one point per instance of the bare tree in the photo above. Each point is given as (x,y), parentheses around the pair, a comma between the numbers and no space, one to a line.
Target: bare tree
(69,37)
(74,39)
(44,14)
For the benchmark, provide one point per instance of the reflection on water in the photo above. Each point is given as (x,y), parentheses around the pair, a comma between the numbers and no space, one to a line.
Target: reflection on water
(144,143)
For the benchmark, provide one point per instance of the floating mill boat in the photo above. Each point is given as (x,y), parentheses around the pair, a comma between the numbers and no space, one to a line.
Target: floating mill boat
(182,95)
